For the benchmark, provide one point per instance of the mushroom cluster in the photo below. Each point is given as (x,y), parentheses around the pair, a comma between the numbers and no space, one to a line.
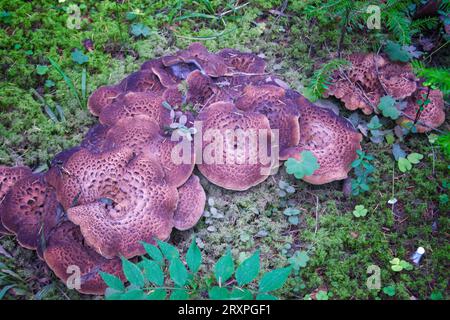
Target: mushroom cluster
(372,76)
(131,178)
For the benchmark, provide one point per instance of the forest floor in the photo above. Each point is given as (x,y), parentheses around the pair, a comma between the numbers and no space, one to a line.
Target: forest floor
(336,246)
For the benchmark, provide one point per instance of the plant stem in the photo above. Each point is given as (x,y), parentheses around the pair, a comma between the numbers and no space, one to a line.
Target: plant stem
(422,106)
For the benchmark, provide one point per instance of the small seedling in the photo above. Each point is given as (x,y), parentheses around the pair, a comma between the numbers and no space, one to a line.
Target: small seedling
(405,164)
(398,265)
(299,260)
(389,290)
(360,211)
(303,167)
(292,215)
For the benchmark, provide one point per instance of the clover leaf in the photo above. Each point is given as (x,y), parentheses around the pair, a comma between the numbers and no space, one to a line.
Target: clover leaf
(303,167)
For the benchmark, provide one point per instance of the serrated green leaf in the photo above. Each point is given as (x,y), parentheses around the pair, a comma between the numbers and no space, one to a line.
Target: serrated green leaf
(248,270)
(153,252)
(169,251)
(132,273)
(153,272)
(178,272)
(112,281)
(218,293)
(193,257)
(274,280)
(303,167)
(224,267)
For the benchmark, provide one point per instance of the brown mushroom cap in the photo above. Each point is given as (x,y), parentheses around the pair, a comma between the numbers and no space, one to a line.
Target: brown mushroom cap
(242,62)
(88,176)
(370,77)
(136,103)
(245,168)
(278,107)
(332,140)
(433,114)
(191,203)
(102,97)
(141,133)
(65,248)
(142,81)
(8,177)
(142,210)
(209,63)
(29,206)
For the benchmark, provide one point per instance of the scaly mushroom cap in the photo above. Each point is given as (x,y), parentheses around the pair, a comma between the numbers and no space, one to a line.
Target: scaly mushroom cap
(136,103)
(88,176)
(231,152)
(142,81)
(164,74)
(141,133)
(66,254)
(8,177)
(370,77)
(29,206)
(242,62)
(191,203)
(433,114)
(95,138)
(279,108)
(209,63)
(331,139)
(142,210)
(102,97)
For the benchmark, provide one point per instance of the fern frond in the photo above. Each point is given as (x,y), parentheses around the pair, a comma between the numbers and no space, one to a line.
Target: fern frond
(435,77)
(321,78)
(429,23)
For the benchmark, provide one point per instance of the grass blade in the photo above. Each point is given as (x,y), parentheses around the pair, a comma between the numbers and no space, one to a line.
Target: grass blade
(215,36)
(83,84)
(67,80)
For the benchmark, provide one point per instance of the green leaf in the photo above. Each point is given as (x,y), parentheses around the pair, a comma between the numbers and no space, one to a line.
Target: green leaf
(178,272)
(224,267)
(218,293)
(265,296)
(194,257)
(291,212)
(153,252)
(406,265)
(158,294)
(132,273)
(396,268)
(303,167)
(322,295)
(299,260)
(389,290)
(360,211)
(414,158)
(134,294)
(179,295)
(153,272)
(79,57)
(112,294)
(248,270)
(49,83)
(404,165)
(274,280)
(41,69)
(169,251)
(374,123)
(138,29)
(241,294)
(395,261)
(112,281)
(396,52)
(436,295)
(387,107)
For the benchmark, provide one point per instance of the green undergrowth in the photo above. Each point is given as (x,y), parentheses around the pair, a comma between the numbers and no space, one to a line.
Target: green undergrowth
(340,247)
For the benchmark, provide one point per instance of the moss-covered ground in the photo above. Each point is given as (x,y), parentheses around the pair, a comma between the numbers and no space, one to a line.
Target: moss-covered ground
(339,245)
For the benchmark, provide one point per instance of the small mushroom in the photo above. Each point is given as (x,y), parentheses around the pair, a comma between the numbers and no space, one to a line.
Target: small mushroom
(433,114)
(331,138)
(191,204)
(67,256)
